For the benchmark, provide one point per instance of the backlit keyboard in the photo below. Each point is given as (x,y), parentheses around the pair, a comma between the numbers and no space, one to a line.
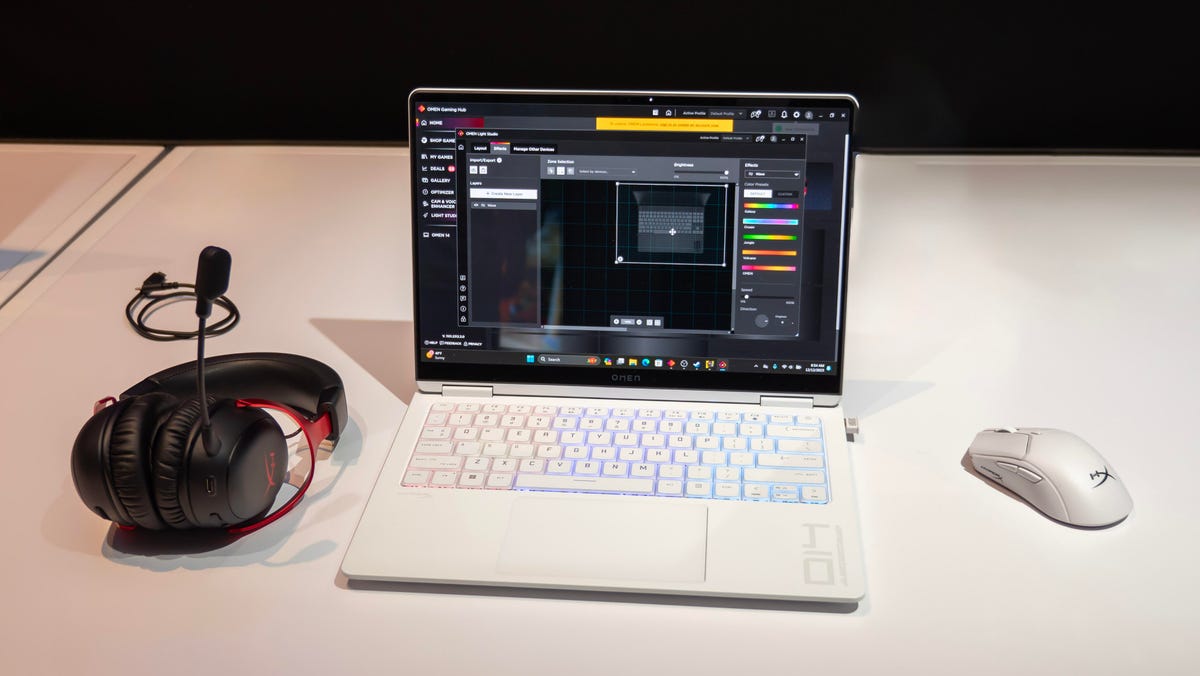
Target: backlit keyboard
(669,452)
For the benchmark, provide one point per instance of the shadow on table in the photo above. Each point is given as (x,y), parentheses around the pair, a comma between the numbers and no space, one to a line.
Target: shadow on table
(597,596)
(11,258)
(862,398)
(384,348)
(65,525)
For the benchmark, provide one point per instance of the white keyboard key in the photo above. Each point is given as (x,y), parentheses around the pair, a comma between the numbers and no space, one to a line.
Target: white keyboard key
(436,419)
(532,465)
(623,412)
(587,468)
(472,479)
(727,490)
(754,417)
(603,453)
(616,468)
(559,467)
(670,472)
(649,413)
(707,443)
(444,478)
(696,428)
(564,423)
(461,418)
(670,487)
(713,458)
(761,445)
(541,410)
(492,434)
(804,461)
(750,430)
(670,426)
(538,422)
(793,431)
(653,441)
(549,451)
(416,477)
(494,408)
(520,451)
(504,465)
(545,437)
(443,406)
(477,464)
(591,424)
(519,435)
(698,472)
(658,455)
(486,420)
(728,474)
(676,414)
(734,443)
(729,416)
(679,441)
(466,433)
(435,462)
(814,494)
(576,452)
(641,469)
(703,415)
(494,449)
(617,425)
(757,492)
(426,446)
(631,454)
(743,459)
(572,410)
(500,480)
(572,437)
(599,438)
(782,419)
(625,439)
(643,425)
(468,448)
(792,445)
(699,489)
(685,457)
(724,429)
(596,412)
(523,409)
(584,484)
(435,433)
(784,476)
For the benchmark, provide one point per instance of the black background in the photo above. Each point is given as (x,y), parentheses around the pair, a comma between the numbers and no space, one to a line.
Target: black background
(992,77)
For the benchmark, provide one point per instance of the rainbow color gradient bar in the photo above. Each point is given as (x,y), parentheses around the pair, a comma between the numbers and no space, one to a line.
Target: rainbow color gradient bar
(766,252)
(770,268)
(769,205)
(771,221)
(774,238)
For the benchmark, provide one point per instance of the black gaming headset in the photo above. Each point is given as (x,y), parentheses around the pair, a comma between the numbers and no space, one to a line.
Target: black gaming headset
(143,461)
(159,458)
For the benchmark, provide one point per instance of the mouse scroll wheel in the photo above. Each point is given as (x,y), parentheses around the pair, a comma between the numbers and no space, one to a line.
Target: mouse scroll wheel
(1006,430)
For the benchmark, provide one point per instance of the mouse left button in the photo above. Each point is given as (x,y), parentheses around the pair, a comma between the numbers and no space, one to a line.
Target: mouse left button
(1003,444)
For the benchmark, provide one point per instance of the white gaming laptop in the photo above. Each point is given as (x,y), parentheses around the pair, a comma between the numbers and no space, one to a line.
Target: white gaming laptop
(630,316)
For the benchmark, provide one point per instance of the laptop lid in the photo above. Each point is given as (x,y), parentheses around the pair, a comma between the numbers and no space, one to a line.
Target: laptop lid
(677,240)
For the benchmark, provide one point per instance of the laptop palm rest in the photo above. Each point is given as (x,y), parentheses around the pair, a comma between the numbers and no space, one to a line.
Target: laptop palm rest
(605,540)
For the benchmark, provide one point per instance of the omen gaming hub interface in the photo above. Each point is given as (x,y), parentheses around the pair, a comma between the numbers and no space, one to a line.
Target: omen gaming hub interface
(671,233)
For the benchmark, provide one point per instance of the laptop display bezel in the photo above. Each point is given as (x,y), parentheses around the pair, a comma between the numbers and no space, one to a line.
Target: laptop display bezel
(770,382)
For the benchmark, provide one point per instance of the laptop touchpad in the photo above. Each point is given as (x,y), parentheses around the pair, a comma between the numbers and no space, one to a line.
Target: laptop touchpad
(605,539)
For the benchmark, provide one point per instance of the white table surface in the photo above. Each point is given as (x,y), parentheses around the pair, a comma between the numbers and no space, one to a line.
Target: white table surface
(1029,291)
(48,192)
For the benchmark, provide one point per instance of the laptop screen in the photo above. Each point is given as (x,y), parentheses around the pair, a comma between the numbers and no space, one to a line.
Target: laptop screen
(664,240)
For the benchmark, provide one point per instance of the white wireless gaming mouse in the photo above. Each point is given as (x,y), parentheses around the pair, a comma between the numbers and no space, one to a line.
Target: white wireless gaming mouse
(1055,471)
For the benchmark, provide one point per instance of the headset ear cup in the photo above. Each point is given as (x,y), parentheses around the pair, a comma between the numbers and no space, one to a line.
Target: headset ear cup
(169,458)
(89,465)
(129,456)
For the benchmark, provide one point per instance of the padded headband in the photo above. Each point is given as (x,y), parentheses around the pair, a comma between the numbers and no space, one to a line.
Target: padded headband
(304,384)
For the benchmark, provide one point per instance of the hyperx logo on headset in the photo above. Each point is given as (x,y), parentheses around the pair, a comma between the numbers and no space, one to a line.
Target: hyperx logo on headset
(159,459)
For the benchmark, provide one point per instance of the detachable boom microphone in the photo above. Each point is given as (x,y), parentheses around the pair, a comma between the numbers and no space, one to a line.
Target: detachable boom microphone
(212,280)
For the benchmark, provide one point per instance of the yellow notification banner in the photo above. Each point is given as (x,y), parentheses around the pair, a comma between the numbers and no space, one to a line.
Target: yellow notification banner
(662,124)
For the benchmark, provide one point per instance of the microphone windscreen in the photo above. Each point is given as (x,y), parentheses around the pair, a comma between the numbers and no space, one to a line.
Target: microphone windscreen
(212,278)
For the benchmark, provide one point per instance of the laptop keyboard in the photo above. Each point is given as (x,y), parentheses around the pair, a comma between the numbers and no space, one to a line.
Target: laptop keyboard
(669,452)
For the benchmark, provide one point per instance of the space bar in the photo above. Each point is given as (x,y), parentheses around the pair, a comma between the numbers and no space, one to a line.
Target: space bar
(584,483)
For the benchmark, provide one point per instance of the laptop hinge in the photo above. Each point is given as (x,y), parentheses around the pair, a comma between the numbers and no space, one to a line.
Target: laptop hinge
(466,391)
(790,402)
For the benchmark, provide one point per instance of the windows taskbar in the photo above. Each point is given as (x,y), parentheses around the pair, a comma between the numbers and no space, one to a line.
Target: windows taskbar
(626,361)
